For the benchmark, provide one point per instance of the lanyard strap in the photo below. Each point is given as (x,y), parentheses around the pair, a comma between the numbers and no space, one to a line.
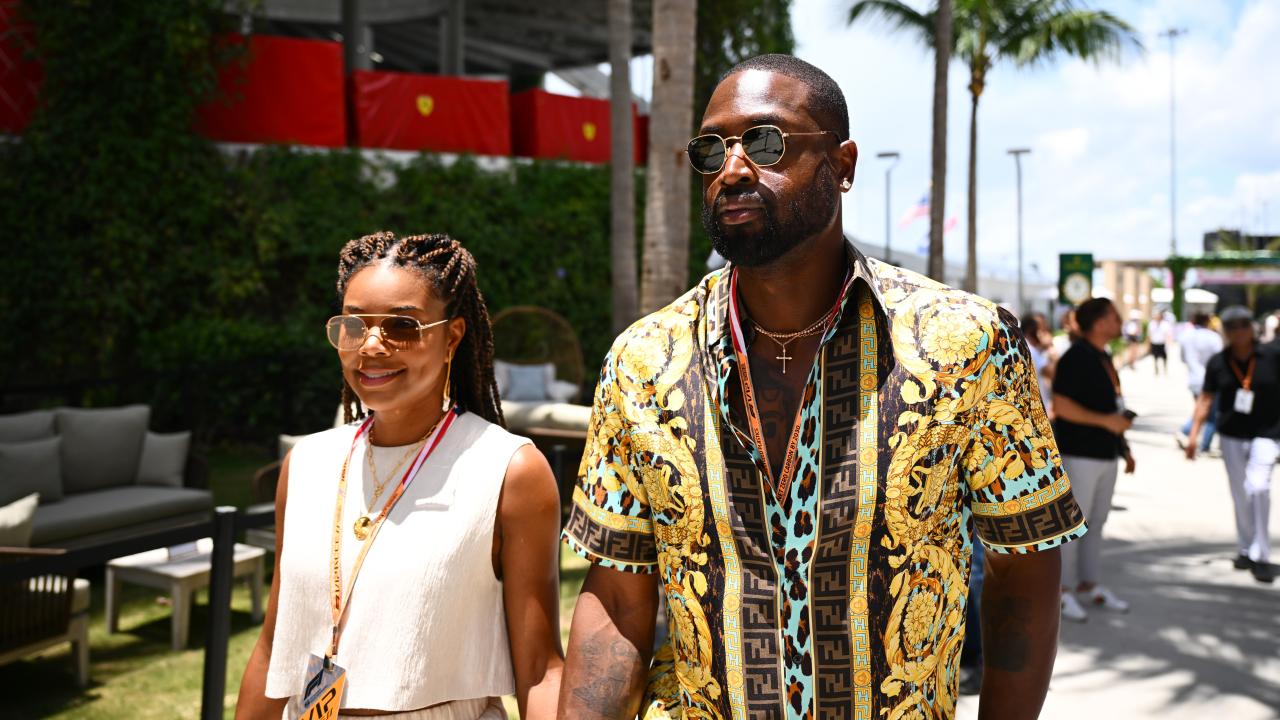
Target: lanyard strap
(754,424)
(1246,380)
(340,603)
(1110,366)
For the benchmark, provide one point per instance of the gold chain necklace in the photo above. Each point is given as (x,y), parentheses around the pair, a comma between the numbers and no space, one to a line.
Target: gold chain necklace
(364,523)
(785,339)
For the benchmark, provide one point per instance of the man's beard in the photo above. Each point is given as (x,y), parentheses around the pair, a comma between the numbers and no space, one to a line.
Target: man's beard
(782,232)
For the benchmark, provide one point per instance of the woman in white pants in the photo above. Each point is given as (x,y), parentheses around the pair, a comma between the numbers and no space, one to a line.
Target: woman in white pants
(1247,376)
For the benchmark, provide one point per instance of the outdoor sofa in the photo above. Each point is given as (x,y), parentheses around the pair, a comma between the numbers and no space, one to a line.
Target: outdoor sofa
(101,475)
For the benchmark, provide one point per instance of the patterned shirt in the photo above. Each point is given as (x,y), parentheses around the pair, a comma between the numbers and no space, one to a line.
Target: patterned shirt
(846,597)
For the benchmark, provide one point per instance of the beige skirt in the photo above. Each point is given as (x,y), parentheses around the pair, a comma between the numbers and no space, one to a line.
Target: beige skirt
(477,709)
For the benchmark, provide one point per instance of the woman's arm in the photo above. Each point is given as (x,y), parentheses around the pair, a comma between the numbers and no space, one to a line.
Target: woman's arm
(527,552)
(253,701)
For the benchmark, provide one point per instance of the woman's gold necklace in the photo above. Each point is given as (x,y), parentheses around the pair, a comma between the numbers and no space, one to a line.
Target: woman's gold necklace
(785,339)
(364,523)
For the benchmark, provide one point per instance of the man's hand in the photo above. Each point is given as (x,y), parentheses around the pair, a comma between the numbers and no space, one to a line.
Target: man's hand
(609,645)
(1117,423)
(1129,464)
(1190,449)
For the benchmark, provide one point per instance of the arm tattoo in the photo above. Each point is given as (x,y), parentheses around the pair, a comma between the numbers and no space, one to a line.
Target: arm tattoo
(1007,646)
(612,685)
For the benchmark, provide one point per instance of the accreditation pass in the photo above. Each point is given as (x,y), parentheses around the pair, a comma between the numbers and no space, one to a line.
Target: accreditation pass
(322,696)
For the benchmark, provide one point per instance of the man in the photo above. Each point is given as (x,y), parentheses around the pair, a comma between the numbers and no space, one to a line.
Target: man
(1159,330)
(795,451)
(1089,423)
(1199,344)
(1245,380)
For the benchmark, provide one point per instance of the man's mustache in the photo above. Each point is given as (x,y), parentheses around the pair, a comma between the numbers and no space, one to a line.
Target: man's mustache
(753,195)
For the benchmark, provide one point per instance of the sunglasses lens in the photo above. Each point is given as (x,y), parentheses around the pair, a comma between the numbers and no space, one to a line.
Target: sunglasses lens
(400,330)
(706,153)
(345,332)
(763,145)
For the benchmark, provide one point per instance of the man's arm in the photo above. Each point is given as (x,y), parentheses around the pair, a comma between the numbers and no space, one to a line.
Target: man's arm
(1068,409)
(1204,404)
(1019,633)
(609,645)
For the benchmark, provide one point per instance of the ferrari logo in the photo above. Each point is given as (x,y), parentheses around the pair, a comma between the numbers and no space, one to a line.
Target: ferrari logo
(426,104)
(589,131)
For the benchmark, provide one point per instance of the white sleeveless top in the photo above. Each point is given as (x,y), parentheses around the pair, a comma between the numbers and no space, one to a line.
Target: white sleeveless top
(425,623)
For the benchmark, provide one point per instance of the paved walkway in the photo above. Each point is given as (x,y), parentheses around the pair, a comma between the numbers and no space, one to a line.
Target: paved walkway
(1202,640)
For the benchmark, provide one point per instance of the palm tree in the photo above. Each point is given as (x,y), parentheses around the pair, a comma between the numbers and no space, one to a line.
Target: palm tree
(622,179)
(1026,32)
(666,212)
(926,26)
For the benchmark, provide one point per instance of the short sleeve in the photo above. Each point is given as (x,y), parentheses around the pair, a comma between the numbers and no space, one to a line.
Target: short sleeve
(1019,494)
(1067,375)
(609,521)
(1213,375)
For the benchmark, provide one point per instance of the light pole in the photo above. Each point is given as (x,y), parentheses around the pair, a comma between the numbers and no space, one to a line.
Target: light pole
(889,155)
(1173,34)
(1017,154)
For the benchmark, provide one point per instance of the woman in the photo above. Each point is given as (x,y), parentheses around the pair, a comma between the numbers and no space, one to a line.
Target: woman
(424,532)
(1035,328)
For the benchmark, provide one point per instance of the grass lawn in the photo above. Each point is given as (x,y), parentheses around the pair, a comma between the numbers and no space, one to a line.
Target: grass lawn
(134,674)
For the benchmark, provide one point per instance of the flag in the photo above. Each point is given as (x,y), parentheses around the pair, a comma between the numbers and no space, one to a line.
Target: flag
(952,222)
(919,210)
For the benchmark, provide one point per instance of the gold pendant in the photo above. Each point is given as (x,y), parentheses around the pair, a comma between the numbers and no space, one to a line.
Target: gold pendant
(362,527)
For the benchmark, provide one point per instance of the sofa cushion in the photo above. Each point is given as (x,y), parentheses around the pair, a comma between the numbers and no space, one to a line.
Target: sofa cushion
(113,508)
(16,521)
(164,459)
(530,382)
(21,427)
(101,447)
(31,467)
(546,415)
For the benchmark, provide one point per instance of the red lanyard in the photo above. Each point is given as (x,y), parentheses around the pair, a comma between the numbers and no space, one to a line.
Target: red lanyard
(339,605)
(1109,364)
(792,458)
(1246,380)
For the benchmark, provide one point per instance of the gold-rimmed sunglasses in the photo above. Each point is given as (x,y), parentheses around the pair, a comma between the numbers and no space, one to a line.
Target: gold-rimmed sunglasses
(764,145)
(349,332)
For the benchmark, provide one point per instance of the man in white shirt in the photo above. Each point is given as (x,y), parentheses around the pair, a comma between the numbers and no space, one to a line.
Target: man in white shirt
(1159,331)
(1198,345)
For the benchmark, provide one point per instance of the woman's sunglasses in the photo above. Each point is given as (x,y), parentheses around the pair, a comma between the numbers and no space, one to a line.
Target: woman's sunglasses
(349,332)
(764,145)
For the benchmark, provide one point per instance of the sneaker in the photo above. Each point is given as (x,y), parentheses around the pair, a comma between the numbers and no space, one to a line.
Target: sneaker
(1072,609)
(1263,572)
(1242,562)
(1104,598)
(1182,439)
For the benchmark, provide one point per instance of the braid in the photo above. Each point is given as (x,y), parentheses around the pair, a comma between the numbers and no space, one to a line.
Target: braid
(451,271)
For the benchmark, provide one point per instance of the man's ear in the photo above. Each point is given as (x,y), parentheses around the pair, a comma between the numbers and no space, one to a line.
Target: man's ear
(847,163)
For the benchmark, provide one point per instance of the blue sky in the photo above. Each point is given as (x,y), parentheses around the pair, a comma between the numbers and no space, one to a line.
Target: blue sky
(1097,179)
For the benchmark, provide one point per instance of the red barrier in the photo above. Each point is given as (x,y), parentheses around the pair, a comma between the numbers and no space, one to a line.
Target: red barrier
(560,127)
(283,90)
(20,74)
(641,125)
(432,113)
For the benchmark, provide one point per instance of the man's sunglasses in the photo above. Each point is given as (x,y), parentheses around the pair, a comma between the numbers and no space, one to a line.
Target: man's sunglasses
(764,145)
(349,332)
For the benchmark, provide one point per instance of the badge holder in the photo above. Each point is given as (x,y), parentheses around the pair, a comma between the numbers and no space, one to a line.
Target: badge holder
(1244,401)
(322,697)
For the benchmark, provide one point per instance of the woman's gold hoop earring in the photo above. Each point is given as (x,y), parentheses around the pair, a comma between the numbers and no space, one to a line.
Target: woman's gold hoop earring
(448,369)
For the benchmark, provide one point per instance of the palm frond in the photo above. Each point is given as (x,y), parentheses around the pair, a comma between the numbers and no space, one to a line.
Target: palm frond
(1092,35)
(898,16)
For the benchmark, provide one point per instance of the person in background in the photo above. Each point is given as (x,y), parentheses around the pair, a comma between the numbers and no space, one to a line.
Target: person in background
(1132,338)
(1035,328)
(1159,332)
(1271,327)
(1090,423)
(1198,345)
(1245,379)
(1070,333)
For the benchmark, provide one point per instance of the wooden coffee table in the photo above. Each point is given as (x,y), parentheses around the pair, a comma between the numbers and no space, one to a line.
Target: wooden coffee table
(180,576)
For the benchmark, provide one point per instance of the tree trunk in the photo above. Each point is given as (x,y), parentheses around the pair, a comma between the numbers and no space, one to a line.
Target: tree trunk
(971,264)
(938,188)
(622,178)
(666,213)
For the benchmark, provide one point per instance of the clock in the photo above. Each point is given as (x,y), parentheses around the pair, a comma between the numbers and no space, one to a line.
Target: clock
(1076,288)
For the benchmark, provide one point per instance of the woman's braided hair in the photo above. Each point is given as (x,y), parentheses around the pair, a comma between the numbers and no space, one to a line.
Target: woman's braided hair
(450,270)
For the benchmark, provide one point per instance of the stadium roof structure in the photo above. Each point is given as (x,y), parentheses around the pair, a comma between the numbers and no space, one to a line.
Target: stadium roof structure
(515,38)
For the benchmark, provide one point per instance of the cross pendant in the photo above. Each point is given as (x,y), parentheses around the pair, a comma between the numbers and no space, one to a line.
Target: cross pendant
(784,357)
